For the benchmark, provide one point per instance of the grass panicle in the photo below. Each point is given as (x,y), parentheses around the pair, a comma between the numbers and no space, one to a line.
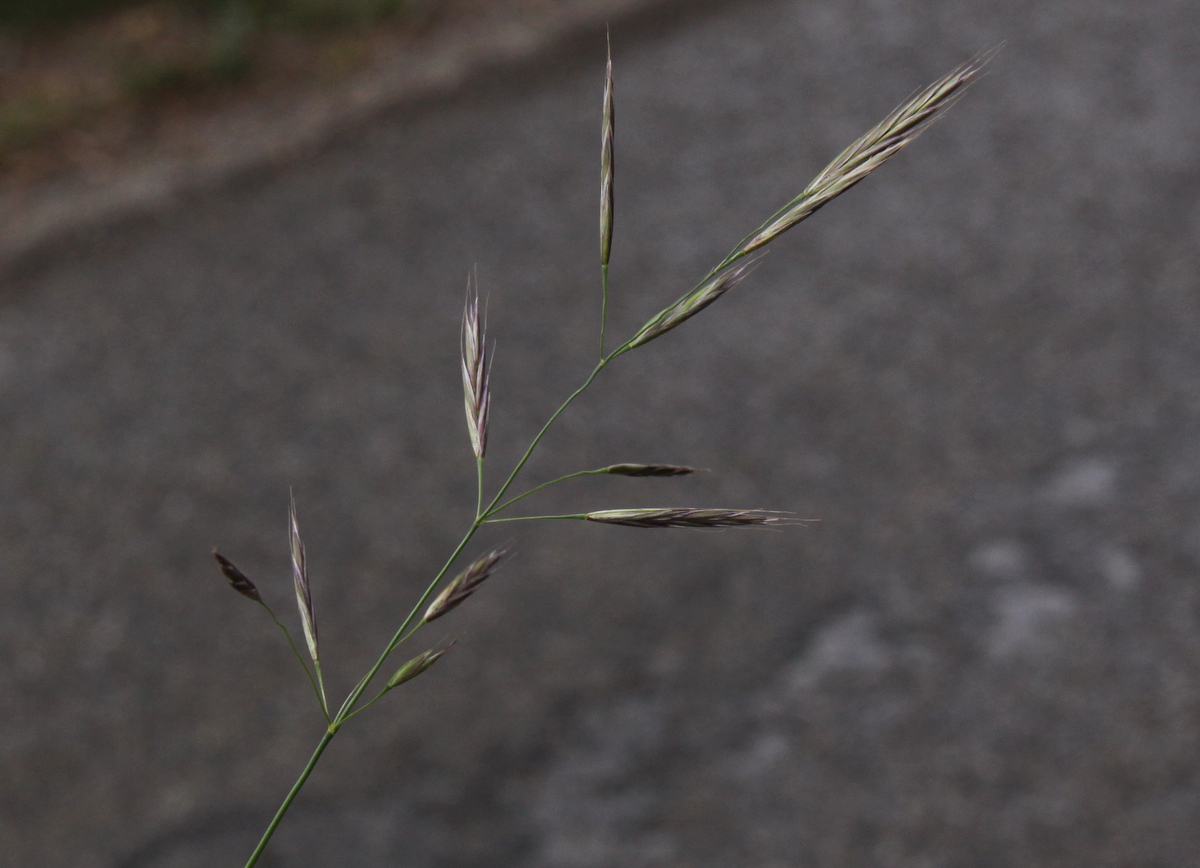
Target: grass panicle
(463,585)
(237,579)
(692,518)
(475,372)
(851,166)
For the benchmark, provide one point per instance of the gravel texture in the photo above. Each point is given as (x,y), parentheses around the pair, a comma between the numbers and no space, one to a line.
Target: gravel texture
(980,369)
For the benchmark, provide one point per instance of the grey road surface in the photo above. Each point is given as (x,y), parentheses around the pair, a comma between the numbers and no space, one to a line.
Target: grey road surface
(980,370)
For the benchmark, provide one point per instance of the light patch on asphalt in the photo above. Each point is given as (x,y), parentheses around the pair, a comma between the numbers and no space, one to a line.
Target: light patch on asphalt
(594,806)
(1001,559)
(850,644)
(1027,618)
(1084,483)
(1120,569)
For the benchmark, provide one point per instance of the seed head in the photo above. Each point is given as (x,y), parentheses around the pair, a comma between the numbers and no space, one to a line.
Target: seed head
(648,470)
(417,665)
(870,152)
(463,585)
(607,165)
(237,579)
(300,579)
(475,372)
(699,518)
(691,304)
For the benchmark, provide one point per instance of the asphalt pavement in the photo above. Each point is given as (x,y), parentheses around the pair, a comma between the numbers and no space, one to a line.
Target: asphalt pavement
(980,370)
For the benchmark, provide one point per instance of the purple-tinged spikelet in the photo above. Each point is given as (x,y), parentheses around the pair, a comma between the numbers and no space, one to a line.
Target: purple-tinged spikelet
(463,585)
(300,579)
(237,579)
(475,373)
(647,470)
(692,518)
(607,165)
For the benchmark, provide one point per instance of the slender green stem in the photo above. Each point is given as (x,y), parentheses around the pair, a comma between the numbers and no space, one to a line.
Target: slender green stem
(299,657)
(399,636)
(603,306)
(534,518)
(478,485)
(542,433)
(291,796)
(347,709)
(377,697)
(513,500)
(321,684)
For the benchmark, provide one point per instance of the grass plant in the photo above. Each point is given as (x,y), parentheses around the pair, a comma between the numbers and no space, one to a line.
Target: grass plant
(441,597)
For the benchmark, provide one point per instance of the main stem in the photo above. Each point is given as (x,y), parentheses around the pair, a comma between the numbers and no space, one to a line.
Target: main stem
(291,796)
(399,636)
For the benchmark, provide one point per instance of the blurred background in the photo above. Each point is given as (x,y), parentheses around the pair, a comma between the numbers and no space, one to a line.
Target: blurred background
(980,370)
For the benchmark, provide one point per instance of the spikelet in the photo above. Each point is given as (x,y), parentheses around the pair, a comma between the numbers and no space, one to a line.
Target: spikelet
(870,152)
(647,470)
(607,165)
(691,304)
(692,518)
(416,666)
(300,579)
(237,579)
(475,372)
(463,585)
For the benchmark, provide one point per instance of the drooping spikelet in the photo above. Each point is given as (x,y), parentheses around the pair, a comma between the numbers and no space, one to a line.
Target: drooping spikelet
(237,579)
(463,585)
(698,518)
(300,579)
(475,372)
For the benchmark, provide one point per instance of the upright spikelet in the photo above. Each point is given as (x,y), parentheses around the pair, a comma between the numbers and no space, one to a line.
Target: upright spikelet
(870,152)
(463,585)
(607,166)
(475,372)
(691,304)
(300,579)
(863,157)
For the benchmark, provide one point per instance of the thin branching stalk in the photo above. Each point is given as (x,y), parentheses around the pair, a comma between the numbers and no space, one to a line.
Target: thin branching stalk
(851,166)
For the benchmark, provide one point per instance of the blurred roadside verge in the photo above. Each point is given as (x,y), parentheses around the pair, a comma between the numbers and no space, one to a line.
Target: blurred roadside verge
(137,158)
